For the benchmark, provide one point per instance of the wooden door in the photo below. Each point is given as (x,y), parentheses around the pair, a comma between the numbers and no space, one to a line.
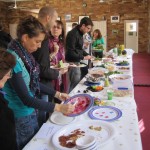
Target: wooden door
(131,34)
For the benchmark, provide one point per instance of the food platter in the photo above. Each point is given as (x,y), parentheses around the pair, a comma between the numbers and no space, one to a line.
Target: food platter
(95,88)
(123,63)
(91,84)
(65,65)
(105,113)
(82,102)
(123,68)
(93,78)
(120,77)
(122,93)
(97,50)
(77,66)
(104,132)
(55,118)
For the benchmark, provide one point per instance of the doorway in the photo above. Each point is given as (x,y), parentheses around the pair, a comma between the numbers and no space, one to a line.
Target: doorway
(131,34)
(69,26)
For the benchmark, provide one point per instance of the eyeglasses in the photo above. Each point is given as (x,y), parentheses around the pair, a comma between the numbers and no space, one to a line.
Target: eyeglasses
(58,27)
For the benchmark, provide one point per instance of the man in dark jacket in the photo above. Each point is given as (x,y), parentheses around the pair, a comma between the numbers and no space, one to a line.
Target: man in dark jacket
(74,49)
(7,122)
(47,16)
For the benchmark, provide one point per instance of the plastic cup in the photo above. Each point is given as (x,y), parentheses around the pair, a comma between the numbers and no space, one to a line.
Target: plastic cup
(110,94)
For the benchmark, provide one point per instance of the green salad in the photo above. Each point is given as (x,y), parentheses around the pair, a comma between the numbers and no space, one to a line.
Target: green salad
(99,47)
(113,72)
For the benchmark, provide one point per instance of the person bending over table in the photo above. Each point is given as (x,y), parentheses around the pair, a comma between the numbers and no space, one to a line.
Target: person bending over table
(7,121)
(74,49)
(47,16)
(24,86)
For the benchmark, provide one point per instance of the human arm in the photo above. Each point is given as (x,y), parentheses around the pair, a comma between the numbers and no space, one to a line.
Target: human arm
(54,53)
(101,41)
(46,90)
(18,84)
(65,108)
(88,57)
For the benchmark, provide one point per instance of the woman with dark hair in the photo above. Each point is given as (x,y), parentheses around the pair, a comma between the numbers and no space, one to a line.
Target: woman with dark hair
(24,86)
(57,53)
(7,122)
(98,42)
(97,38)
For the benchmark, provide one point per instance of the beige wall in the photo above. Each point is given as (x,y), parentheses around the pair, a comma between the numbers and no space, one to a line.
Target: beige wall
(126,9)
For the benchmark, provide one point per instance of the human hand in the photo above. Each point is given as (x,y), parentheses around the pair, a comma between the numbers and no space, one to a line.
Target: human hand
(87,57)
(56,48)
(86,44)
(62,96)
(64,108)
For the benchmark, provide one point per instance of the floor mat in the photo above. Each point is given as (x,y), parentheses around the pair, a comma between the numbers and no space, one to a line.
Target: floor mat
(141,80)
(141,69)
(142,98)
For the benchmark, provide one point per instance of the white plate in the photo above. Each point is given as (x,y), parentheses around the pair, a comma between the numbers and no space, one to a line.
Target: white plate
(97,70)
(77,66)
(107,133)
(60,119)
(66,65)
(120,77)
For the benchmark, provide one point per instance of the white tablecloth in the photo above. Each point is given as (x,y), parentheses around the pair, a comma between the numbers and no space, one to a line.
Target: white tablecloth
(128,134)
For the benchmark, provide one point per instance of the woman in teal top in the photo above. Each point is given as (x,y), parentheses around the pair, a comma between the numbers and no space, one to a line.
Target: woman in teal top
(24,86)
(97,38)
(98,43)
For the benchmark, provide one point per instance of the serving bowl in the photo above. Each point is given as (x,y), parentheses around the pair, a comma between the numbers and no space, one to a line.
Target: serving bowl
(111,67)
(105,60)
(85,142)
(119,77)
(97,70)
(93,78)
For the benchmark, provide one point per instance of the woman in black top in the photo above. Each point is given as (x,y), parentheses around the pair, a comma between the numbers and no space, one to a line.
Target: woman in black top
(7,123)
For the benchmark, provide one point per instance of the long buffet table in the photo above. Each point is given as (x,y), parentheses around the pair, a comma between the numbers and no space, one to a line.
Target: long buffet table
(128,134)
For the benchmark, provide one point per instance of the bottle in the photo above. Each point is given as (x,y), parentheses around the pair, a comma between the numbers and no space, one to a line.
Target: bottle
(119,51)
(122,47)
(106,83)
(115,52)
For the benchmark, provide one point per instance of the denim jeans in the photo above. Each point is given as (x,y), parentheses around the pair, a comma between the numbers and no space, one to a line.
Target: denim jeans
(26,128)
(74,76)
